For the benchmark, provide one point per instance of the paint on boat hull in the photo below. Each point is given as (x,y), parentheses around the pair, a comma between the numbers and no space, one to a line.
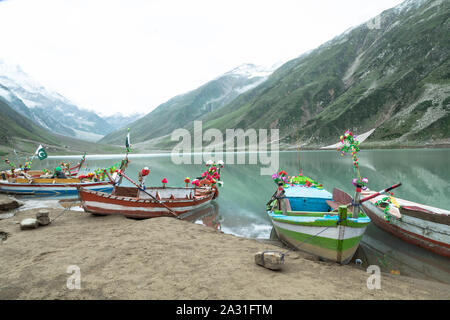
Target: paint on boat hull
(327,239)
(49,189)
(100,203)
(432,236)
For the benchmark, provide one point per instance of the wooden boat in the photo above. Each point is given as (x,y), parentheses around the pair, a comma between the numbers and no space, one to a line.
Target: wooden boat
(422,225)
(24,172)
(134,203)
(304,220)
(19,173)
(51,187)
(392,253)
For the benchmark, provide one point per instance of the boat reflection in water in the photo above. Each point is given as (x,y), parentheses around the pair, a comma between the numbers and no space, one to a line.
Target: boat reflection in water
(207,216)
(395,256)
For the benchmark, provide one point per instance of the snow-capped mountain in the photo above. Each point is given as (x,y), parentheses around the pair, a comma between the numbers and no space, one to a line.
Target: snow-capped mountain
(46,108)
(119,120)
(193,105)
(250,70)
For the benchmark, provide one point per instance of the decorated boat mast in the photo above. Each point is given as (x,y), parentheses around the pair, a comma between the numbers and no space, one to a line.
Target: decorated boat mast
(349,144)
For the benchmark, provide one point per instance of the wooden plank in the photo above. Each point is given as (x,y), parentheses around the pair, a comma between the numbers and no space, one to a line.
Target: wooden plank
(47,180)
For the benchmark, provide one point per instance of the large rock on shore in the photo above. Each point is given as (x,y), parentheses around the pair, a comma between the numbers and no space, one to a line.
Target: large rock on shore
(8,203)
(273,260)
(42,217)
(29,223)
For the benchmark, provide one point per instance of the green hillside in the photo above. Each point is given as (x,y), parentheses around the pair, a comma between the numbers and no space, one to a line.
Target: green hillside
(395,78)
(183,109)
(16,125)
(21,134)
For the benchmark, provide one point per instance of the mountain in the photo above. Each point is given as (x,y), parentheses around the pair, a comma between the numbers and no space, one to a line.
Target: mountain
(391,74)
(15,125)
(185,108)
(48,109)
(18,134)
(119,120)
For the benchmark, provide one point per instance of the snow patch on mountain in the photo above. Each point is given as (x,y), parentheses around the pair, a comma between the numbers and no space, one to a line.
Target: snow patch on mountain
(250,70)
(409,4)
(47,108)
(5,94)
(250,86)
(13,77)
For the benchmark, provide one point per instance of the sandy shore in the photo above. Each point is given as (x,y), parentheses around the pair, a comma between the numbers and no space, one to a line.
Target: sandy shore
(165,258)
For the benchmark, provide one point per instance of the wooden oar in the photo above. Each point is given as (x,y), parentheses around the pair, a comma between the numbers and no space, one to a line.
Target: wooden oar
(170,210)
(109,177)
(271,198)
(376,194)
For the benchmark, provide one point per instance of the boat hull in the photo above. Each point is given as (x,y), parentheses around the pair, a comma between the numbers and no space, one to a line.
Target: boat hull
(322,237)
(51,189)
(100,203)
(429,235)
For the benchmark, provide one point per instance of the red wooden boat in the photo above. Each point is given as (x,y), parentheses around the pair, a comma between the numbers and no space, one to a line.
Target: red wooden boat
(424,226)
(135,203)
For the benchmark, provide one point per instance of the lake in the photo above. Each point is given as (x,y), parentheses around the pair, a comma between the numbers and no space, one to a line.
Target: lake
(240,208)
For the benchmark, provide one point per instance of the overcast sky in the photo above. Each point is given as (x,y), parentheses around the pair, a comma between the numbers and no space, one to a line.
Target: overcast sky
(132,55)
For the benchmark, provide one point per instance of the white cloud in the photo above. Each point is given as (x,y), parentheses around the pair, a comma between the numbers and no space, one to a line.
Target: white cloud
(132,55)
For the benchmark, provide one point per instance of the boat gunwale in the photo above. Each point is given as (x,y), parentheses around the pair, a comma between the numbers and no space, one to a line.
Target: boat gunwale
(138,200)
(321,221)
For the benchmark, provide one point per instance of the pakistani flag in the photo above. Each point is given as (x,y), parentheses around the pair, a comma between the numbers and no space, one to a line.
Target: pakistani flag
(40,152)
(127,141)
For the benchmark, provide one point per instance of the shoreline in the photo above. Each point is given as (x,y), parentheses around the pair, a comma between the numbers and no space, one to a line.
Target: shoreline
(165,258)
(168,152)
(366,146)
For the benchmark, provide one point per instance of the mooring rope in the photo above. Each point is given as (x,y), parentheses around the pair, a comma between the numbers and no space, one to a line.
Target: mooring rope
(311,237)
(62,212)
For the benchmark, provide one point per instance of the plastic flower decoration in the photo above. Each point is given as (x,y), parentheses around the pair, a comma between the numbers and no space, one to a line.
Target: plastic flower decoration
(295,180)
(349,144)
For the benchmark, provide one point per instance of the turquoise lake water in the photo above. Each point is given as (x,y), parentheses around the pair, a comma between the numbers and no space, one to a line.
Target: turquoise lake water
(240,208)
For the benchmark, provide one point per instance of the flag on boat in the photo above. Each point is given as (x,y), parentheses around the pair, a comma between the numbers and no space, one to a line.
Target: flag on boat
(40,152)
(127,141)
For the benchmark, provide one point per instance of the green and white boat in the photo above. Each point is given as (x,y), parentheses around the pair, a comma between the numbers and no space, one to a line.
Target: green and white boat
(307,217)
(303,218)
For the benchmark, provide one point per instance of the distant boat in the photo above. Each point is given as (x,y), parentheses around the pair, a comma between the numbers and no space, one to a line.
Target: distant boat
(22,172)
(32,173)
(360,138)
(50,187)
(422,225)
(303,220)
(134,203)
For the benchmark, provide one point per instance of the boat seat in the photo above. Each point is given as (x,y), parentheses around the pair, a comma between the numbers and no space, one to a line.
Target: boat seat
(286,205)
(340,198)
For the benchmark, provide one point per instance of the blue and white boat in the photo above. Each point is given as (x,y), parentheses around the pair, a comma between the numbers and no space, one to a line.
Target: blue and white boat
(51,187)
(304,217)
